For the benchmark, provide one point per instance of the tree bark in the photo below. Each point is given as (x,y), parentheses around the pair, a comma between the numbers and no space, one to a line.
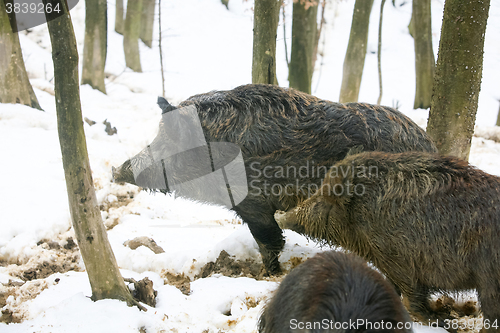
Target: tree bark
(119,23)
(95,44)
(266,18)
(104,276)
(147,22)
(457,81)
(304,30)
(131,35)
(356,51)
(498,118)
(15,86)
(424,55)
(379,52)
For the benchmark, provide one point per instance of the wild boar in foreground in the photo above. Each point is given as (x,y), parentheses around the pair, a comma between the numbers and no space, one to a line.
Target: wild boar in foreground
(335,292)
(429,223)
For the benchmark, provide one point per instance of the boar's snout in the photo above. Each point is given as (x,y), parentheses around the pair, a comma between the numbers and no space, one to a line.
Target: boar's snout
(123,174)
(288,220)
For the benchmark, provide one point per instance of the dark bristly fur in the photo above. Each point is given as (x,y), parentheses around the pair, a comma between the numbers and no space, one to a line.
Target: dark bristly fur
(429,223)
(284,127)
(334,287)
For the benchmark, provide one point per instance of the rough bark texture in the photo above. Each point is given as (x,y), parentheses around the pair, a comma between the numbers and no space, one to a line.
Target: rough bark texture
(356,51)
(457,81)
(304,30)
(119,23)
(147,22)
(95,44)
(100,262)
(131,34)
(15,86)
(266,18)
(424,55)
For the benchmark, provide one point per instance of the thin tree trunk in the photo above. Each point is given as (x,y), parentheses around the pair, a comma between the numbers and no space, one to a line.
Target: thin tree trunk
(284,37)
(379,52)
(424,55)
(95,44)
(119,23)
(354,61)
(161,51)
(104,276)
(498,118)
(266,18)
(147,21)
(15,86)
(457,81)
(318,34)
(131,35)
(304,30)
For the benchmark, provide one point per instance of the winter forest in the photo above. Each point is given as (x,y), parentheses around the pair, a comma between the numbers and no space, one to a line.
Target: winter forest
(266,166)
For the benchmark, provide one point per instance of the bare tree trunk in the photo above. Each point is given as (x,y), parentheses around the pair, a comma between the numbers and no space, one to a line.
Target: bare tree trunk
(354,60)
(95,44)
(131,35)
(119,23)
(379,52)
(424,55)
(498,118)
(147,22)
(15,86)
(104,276)
(318,33)
(266,18)
(457,81)
(304,30)
(161,51)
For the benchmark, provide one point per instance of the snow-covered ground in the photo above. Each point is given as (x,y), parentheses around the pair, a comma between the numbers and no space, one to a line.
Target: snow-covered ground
(206,47)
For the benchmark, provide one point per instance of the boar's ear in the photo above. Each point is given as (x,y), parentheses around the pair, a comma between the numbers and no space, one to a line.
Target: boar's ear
(164,105)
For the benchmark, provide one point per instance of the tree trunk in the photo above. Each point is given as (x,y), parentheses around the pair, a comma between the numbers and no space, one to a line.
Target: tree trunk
(356,51)
(304,30)
(15,86)
(379,52)
(498,118)
(95,44)
(424,56)
(457,81)
(131,35)
(265,25)
(147,22)
(119,23)
(104,276)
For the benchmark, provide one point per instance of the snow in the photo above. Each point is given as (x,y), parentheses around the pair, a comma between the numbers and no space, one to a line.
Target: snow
(206,47)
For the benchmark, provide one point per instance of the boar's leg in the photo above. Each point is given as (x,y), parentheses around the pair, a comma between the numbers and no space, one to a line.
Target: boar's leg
(489,297)
(419,305)
(258,214)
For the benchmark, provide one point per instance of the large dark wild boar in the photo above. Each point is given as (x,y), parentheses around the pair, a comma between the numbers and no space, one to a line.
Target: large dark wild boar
(288,141)
(429,223)
(335,292)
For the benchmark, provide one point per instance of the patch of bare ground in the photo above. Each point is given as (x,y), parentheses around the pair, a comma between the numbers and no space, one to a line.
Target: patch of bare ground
(54,257)
(465,314)
(180,281)
(115,205)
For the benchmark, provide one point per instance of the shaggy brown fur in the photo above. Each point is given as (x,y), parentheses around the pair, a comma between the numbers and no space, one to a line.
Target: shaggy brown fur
(329,293)
(429,223)
(277,129)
